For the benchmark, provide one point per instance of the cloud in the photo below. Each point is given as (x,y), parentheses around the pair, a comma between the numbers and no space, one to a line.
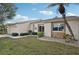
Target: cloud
(20,18)
(24,18)
(49,13)
(67,14)
(71,14)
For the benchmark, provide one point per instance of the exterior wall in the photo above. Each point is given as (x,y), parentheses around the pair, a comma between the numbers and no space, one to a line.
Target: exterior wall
(18,28)
(34,26)
(57,34)
(75,28)
(25,27)
(47,29)
(11,29)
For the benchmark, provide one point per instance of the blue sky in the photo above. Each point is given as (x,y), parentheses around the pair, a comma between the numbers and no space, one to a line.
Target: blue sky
(35,11)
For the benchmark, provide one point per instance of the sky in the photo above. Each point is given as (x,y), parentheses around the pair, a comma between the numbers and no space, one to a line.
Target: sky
(36,11)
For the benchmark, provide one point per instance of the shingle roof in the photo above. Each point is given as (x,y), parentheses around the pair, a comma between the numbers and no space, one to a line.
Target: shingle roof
(68,18)
(49,20)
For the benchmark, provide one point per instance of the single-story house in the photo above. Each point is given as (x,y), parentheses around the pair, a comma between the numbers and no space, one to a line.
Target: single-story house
(51,27)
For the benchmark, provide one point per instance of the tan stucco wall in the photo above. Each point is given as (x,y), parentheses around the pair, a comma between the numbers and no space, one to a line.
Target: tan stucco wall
(34,26)
(11,29)
(47,29)
(18,28)
(75,28)
(24,27)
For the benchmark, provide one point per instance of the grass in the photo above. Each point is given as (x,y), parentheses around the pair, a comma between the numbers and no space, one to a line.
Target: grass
(32,46)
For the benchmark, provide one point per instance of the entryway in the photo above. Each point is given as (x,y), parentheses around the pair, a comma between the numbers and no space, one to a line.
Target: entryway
(41,28)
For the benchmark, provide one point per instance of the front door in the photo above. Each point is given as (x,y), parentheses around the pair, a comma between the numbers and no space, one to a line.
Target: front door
(40,28)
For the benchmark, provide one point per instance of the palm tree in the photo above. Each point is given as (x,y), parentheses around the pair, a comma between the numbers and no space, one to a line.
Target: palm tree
(62,11)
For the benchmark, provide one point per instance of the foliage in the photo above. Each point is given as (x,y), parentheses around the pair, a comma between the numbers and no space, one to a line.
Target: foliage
(61,7)
(7,11)
(15,34)
(22,34)
(34,33)
(40,34)
(68,37)
(3,29)
(30,31)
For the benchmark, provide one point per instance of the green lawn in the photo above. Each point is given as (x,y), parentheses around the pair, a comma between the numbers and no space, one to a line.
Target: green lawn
(32,46)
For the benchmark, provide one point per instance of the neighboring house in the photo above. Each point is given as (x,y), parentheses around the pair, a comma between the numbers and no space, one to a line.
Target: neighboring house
(51,27)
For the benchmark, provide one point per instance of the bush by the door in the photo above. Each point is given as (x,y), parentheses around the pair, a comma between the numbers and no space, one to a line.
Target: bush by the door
(40,34)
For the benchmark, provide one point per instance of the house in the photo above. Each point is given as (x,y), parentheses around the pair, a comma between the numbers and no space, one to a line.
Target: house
(51,27)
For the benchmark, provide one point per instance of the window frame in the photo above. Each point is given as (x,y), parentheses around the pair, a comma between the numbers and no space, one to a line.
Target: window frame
(58,27)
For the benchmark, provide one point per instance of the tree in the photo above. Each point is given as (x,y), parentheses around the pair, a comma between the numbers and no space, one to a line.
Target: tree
(62,11)
(7,11)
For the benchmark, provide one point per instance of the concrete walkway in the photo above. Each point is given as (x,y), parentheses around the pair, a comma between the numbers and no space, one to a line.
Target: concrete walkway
(72,43)
(6,35)
(3,35)
(14,37)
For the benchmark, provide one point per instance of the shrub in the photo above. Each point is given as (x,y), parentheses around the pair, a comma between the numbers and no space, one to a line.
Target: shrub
(22,34)
(68,37)
(34,33)
(30,31)
(15,34)
(40,34)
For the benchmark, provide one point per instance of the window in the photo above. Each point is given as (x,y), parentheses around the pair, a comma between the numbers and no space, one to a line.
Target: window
(58,27)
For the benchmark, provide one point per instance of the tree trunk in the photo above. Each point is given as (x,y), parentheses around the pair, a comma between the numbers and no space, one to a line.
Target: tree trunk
(68,26)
